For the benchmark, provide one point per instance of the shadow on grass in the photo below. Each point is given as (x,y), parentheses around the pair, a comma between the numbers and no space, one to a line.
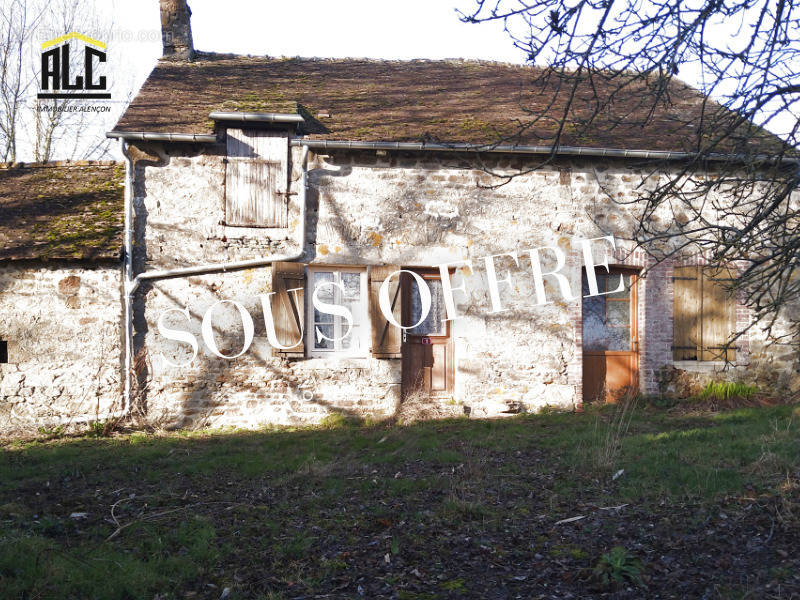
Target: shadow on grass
(656,440)
(295,512)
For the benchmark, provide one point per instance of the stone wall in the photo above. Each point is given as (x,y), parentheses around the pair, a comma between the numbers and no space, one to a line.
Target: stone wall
(63,321)
(62,324)
(413,210)
(256,387)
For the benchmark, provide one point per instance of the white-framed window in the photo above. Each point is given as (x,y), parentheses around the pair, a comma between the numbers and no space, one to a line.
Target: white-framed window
(327,334)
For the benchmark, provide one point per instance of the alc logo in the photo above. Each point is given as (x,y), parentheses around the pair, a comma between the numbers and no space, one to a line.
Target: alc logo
(56,69)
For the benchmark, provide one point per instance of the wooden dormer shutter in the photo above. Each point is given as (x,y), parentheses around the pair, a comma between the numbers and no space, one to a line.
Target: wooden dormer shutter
(288,308)
(386,338)
(256,178)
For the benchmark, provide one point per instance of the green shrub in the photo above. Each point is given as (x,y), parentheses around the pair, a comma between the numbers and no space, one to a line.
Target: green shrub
(727,390)
(618,566)
(51,432)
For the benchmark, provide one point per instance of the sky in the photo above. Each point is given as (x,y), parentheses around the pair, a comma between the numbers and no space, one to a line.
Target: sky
(342,28)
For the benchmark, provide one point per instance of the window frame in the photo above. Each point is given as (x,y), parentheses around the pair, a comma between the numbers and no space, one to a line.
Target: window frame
(632,300)
(363,318)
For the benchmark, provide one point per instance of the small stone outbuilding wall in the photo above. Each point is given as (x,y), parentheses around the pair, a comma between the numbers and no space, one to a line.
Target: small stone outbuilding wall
(62,326)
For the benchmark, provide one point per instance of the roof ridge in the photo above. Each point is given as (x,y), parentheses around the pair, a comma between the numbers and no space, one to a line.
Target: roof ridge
(201,56)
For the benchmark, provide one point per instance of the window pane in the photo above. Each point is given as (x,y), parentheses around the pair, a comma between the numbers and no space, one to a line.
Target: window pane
(619,313)
(321,317)
(619,338)
(602,281)
(434,322)
(595,335)
(353,339)
(613,284)
(326,292)
(323,344)
(352,285)
(355,310)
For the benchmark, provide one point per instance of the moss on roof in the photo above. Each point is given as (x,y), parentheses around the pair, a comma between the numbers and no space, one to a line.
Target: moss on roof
(61,211)
(453,101)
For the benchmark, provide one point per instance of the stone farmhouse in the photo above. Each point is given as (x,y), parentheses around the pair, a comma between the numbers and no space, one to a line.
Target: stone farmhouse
(191,290)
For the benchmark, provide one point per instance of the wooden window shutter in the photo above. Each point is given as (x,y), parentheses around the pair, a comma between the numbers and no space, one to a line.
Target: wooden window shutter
(256,179)
(288,308)
(718,315)
(687,307)
(704,314)
(386,338)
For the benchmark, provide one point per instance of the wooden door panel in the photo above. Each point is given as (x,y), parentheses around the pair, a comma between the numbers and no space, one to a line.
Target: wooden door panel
(607,375)
(620,373)
(439,368)
(594,377)
(427,350)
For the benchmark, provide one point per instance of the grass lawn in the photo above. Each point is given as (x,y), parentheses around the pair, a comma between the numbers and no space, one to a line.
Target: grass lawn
(670,505)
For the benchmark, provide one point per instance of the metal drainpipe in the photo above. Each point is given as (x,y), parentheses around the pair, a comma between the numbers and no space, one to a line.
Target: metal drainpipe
(127,271)
(128,275)
(131,284)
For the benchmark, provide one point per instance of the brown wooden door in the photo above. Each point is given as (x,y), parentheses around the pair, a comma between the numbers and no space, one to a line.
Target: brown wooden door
(427,348)
(610,337)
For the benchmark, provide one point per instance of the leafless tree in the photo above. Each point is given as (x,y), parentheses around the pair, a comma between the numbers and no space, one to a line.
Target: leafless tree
(46,128)
(54,123)
(734,197)
(19,21)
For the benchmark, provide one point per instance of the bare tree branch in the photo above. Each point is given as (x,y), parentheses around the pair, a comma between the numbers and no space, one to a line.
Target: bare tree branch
(735,201)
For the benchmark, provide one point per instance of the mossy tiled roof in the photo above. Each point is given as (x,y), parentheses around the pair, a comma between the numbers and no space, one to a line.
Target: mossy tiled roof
(422,100)
(61,211)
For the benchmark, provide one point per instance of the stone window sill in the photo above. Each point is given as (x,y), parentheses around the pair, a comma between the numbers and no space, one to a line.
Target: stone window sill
(703,366)
(315,363)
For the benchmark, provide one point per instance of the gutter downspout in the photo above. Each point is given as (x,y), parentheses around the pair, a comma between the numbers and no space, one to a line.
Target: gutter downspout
(128,275)
(131,284)
(127,270)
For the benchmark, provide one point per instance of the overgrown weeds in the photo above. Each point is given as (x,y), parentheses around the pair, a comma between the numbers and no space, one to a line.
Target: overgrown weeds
(608,442)
(725,391)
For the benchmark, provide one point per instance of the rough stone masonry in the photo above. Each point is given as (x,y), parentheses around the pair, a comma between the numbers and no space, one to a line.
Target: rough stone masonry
(399,209)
